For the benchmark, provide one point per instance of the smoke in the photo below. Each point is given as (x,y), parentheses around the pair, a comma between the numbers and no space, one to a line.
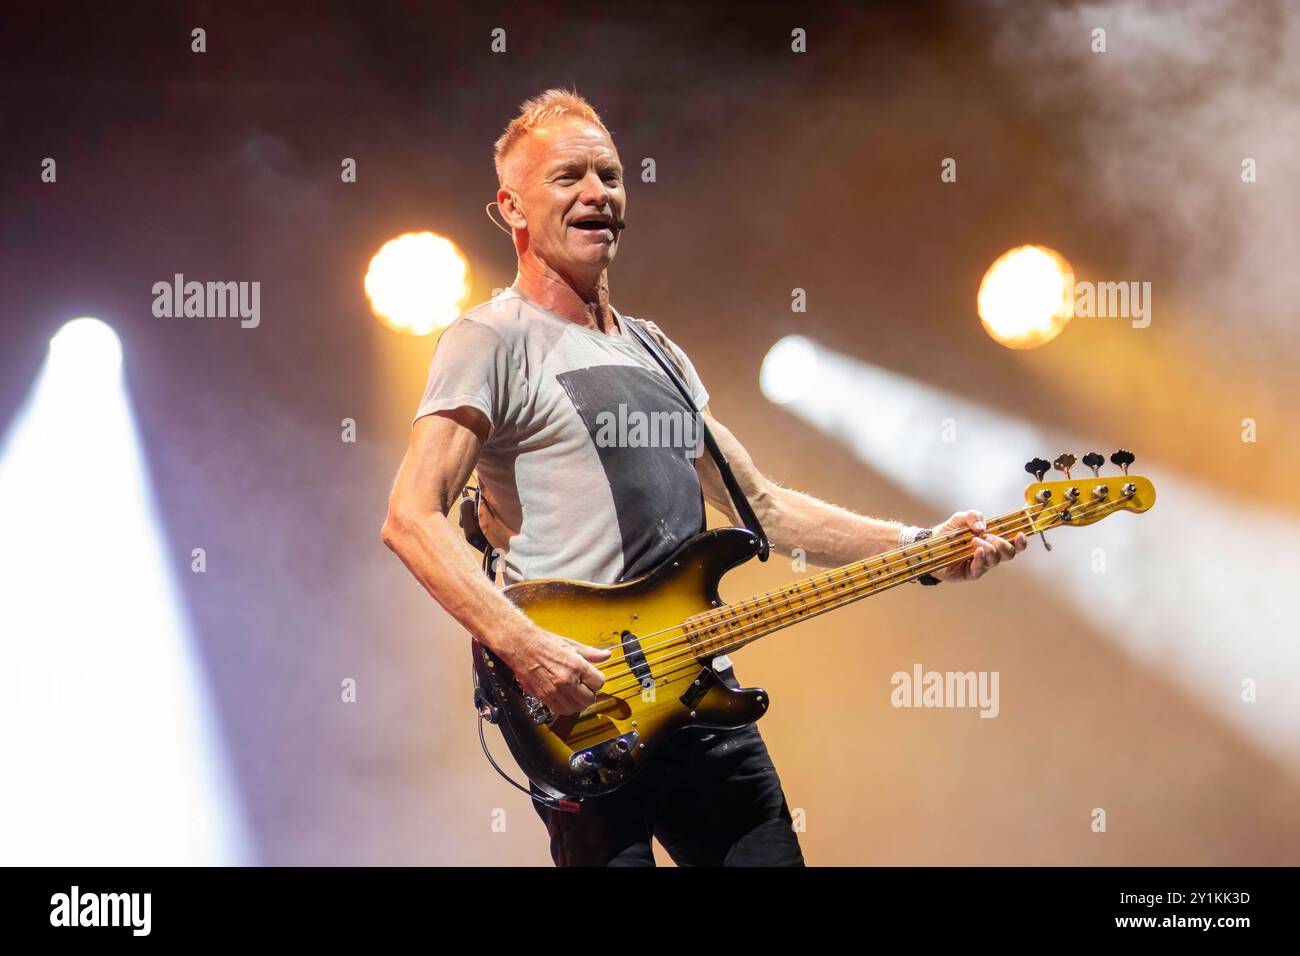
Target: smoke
(1155,131)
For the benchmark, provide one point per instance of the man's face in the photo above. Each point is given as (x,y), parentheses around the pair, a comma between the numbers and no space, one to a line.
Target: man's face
(570,186)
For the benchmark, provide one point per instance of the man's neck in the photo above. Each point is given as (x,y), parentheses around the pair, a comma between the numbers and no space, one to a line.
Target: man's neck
(585,304)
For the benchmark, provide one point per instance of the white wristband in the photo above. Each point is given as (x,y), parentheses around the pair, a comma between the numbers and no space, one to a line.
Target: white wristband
(907,535)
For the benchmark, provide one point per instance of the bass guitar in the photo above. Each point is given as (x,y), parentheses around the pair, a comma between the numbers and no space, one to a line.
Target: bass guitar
(664,629)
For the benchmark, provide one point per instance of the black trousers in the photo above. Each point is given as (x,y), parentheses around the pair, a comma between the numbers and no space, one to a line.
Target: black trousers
(712,798)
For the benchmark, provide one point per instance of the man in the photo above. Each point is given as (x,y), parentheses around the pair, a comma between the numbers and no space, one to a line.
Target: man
(516,389)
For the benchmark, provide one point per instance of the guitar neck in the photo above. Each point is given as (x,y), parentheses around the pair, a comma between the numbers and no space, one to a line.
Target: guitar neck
(732,626)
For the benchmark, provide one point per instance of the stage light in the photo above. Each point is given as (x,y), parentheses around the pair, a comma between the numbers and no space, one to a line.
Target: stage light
(86,346)
(418,283)
(789,369)
(1133,577)
(109,746)
(1025,297)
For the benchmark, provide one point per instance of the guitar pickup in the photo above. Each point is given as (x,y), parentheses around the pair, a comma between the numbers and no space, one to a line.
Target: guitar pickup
(635,658)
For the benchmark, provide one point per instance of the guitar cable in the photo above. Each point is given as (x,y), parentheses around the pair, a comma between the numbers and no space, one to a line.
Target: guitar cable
(486,711)
(546,800)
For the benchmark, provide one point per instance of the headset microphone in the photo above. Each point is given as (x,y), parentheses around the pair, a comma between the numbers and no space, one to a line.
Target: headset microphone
(618,225)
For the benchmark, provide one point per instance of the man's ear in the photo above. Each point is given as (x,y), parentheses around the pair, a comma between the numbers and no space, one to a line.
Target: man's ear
(511,210)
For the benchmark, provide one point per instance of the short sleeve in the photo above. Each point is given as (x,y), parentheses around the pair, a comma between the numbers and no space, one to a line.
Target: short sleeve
(699,394)
(471,367)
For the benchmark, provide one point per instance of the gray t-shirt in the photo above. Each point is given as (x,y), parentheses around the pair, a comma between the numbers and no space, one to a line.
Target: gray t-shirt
(588,471)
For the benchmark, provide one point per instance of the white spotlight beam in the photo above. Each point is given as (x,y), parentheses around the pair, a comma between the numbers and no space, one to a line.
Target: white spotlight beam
(107,740)
(1198,588)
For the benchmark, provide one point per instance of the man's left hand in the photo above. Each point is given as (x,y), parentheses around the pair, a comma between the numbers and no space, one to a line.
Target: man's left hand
(990,550)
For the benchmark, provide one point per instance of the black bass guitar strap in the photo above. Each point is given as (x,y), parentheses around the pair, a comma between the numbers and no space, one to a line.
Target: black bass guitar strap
(743,508)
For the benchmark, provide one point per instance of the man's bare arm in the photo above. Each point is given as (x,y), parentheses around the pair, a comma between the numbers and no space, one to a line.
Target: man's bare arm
(828,534)
(443,450)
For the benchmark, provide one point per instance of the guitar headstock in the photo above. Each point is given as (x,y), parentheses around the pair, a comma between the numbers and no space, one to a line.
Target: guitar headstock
(1080,501)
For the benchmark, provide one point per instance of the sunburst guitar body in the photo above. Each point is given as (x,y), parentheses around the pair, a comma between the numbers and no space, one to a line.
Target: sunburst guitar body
(650,691)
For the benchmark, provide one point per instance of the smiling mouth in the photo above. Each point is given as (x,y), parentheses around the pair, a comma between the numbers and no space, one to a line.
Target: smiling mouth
(592,225)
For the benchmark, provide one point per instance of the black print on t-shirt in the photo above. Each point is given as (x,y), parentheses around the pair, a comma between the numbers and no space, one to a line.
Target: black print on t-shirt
(644,435)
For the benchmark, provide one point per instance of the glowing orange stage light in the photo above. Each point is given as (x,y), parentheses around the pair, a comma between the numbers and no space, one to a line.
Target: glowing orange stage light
(1026,297)
(418,283)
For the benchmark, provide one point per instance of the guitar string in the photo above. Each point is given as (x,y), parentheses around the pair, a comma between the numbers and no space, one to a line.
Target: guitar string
(689,654)
(1010,523)
(736,613)
(959,536)
(687,657)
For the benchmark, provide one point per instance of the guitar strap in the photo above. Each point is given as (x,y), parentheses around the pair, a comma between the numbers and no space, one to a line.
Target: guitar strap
(747,517)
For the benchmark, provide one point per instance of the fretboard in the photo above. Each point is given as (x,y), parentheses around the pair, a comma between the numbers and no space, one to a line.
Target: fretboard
(732,626)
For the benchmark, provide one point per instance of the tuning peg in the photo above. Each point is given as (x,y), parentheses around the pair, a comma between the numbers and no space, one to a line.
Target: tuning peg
(1064,462)
(1123,459)
(1038,467)
(1094,461)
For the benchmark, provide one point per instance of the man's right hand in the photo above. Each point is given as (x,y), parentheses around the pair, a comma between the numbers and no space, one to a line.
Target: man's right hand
(556,670)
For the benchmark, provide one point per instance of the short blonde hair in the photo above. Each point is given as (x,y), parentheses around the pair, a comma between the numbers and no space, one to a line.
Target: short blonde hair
(539,111)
